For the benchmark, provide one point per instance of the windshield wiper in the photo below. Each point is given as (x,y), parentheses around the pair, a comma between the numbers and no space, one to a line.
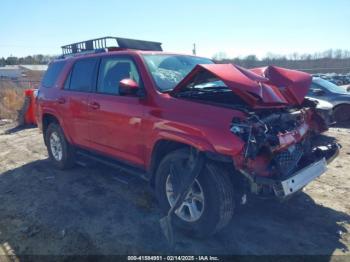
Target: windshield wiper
(189,93)
(201,91)
(215,88)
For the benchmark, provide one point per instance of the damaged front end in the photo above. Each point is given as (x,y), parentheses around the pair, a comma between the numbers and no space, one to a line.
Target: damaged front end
(281,129)
(283,150)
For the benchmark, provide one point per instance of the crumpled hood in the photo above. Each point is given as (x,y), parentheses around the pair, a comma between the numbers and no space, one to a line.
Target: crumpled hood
(259,87)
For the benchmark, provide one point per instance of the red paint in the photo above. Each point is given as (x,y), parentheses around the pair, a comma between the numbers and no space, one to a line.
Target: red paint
(273,85)
(129,127)
(29,117)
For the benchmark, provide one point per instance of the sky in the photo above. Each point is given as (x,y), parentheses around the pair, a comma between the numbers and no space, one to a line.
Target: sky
(237,28)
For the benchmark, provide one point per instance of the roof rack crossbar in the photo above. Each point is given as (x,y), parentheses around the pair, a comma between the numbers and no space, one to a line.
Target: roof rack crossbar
(98,44)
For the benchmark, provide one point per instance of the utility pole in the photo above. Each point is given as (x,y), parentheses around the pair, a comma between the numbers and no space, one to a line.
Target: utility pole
(194,52)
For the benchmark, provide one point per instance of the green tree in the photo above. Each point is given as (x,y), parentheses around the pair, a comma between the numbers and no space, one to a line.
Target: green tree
(12,60)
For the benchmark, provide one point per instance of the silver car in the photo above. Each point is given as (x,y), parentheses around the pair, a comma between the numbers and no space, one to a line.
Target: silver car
(336,95)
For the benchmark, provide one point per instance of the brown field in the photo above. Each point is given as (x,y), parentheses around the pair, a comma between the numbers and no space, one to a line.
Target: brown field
(11,100)
(11,93)
(89,211)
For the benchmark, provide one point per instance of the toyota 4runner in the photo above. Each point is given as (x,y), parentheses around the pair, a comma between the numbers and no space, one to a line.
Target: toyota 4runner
(146,111)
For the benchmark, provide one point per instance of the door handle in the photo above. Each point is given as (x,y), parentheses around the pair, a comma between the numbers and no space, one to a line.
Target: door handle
(61,100)
(94,105)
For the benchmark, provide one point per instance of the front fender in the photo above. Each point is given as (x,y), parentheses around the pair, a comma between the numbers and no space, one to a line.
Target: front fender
(196,142)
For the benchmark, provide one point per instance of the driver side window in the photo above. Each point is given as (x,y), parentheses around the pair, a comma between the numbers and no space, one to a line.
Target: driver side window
(112,71)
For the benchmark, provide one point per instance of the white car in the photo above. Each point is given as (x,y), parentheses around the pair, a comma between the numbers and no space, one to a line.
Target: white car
(324,108)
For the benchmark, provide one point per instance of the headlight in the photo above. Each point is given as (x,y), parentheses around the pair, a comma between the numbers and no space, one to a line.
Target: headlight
(321,104)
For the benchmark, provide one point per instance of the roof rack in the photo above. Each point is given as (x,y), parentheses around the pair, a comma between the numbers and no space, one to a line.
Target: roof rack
(103,43)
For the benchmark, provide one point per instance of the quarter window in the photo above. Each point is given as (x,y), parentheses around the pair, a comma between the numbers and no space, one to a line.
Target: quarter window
(112,71)
(52,74)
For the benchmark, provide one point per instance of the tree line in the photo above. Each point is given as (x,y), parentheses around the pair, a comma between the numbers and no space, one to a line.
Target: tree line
(27,60)
(332,60)
(329,61)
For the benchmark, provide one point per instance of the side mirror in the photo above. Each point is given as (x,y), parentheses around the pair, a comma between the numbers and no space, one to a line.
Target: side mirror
(128,86)
(318,92)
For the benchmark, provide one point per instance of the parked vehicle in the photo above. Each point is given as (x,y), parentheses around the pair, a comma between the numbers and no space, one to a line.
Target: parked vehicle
(324,108)
(337,79)
(346,87)
(336,95)
(167,117)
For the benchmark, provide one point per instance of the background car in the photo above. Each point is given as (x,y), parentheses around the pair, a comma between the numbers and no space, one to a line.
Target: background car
(336,95)
(346,87)
(325,109)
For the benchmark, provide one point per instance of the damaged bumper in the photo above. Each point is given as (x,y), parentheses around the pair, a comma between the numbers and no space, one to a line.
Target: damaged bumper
(300,179)
(285,187)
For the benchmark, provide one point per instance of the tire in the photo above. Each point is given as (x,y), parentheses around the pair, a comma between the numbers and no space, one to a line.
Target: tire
(55,138)
(341,113)
(218,206)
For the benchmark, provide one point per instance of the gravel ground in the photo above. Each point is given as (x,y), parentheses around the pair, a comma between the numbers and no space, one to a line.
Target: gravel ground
(89,211)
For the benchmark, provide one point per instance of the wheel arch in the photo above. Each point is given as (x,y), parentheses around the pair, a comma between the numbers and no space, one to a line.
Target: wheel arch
(336,108)
(161,148)
(341,104)
(47,119)
(165,146)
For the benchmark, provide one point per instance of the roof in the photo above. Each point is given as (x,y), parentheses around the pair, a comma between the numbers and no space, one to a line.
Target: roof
(119,52)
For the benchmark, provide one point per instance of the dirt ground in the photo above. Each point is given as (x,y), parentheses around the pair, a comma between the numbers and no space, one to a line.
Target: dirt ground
(89,211)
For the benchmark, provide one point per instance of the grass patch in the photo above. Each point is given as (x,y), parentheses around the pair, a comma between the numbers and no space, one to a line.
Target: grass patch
(11,100)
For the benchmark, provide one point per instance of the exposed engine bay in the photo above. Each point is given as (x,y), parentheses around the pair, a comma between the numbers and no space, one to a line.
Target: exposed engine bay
(283,138)
(280,128)
(278,142)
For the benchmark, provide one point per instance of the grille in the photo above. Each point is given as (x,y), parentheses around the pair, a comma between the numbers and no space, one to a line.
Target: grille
(287,160)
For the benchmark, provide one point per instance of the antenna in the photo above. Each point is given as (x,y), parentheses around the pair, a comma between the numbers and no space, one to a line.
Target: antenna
(194,52)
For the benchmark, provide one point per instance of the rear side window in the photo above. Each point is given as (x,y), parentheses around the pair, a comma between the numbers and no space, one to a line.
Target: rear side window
(83,75)
(52,74)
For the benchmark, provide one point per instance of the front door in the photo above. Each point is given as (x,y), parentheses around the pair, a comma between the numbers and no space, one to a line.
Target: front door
(115,120)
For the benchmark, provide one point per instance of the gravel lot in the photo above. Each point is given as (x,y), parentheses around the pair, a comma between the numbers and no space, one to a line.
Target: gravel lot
(89,211)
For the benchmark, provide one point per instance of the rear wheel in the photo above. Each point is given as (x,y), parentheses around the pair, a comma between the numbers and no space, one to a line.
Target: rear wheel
(209,204)
(61,153)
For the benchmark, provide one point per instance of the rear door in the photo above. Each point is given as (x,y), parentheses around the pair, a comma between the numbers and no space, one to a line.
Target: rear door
(78,86)
(115,119)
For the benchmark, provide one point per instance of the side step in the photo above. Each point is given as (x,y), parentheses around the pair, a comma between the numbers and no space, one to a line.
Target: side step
(85,156)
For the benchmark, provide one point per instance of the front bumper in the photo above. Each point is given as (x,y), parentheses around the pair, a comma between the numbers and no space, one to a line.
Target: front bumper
(300,179)
(283,188)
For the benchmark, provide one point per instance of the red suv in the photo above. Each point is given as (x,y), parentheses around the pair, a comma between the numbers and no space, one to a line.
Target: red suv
(149,112)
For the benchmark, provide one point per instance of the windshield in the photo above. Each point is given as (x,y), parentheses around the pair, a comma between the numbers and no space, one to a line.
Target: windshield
(168,70)
(329,86)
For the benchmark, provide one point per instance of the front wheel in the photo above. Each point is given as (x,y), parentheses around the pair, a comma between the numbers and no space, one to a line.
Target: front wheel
(342,113)
(209,204)
(61,153)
